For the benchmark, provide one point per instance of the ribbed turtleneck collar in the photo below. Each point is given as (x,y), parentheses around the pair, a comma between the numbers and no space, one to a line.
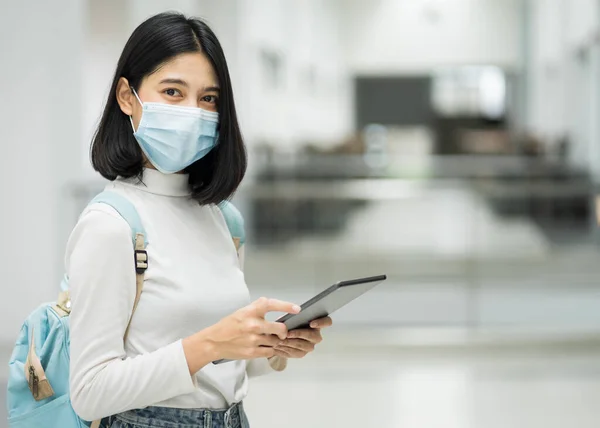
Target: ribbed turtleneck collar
(156,182)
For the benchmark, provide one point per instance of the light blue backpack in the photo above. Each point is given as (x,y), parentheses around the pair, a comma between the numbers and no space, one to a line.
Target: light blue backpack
(38,383)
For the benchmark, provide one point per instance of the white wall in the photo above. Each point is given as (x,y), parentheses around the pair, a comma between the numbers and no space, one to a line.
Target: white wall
(40,128)
(581,20)
(305,36)
(547,69)
(582,24)
(106,34)
(413,36)
(564,75)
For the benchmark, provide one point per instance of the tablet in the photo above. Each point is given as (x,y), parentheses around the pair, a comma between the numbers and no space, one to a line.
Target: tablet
(327,302)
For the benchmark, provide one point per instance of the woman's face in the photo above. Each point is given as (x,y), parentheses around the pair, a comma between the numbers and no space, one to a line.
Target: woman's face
(187,80)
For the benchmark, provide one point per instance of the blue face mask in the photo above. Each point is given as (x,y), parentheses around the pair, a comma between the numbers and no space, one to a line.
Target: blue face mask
(173,137)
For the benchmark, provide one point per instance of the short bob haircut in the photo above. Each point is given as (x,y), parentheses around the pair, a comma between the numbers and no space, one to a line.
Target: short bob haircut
(115,151)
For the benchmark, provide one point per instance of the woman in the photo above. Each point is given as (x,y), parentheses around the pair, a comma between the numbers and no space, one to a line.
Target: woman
(170,143)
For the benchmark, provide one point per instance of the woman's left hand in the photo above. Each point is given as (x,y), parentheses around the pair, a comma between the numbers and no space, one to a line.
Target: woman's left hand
(302,341)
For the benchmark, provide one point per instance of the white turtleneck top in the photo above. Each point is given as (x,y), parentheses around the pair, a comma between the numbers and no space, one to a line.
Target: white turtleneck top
(193,280)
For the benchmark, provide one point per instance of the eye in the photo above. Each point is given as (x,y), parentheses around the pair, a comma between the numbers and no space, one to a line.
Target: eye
(211,99)
(172,92)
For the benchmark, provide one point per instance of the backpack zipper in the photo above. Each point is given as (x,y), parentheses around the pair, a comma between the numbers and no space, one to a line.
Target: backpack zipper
(33,382)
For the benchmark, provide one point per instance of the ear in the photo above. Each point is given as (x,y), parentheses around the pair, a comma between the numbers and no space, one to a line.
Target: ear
(125,96)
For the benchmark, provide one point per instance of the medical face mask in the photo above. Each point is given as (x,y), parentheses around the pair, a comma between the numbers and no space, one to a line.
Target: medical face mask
(173,137)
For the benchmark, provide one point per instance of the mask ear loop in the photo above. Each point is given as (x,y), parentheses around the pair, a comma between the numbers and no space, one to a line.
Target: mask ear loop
(141,103)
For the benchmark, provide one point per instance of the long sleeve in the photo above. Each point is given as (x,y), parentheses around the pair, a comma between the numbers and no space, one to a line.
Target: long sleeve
(99,263)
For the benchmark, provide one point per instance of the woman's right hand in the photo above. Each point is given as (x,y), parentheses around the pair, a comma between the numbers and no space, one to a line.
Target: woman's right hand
(243,335)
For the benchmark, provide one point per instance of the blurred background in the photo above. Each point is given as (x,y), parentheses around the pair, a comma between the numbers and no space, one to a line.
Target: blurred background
(452,144)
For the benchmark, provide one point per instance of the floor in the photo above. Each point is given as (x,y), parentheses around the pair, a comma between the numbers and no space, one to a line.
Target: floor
(470,389)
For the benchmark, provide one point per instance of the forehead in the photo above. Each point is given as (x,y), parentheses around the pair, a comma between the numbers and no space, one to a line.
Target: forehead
(194,68)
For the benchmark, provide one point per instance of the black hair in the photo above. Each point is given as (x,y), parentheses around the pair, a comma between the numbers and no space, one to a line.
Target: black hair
(115,151)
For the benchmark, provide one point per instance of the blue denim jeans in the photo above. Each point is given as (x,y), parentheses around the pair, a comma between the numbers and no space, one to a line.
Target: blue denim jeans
(164,417)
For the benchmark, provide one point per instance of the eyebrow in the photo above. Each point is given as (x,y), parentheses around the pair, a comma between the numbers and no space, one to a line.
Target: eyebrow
(184,83)
(175,81)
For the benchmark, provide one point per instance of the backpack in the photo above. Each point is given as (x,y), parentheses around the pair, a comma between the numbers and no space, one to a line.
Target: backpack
(38,383)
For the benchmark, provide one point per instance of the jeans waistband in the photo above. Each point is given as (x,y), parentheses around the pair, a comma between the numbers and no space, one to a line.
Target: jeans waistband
(166,417)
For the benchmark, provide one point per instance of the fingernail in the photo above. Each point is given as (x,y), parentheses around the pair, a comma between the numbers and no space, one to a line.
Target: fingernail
(314,324)
(296,308)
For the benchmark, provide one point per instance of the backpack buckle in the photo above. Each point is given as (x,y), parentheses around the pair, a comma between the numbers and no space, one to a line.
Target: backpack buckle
(63,304)
(141,261)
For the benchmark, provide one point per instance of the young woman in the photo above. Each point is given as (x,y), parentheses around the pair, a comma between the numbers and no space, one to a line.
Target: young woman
(169,141)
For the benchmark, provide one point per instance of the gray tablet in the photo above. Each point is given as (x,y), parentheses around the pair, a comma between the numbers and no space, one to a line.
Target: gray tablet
(327,302)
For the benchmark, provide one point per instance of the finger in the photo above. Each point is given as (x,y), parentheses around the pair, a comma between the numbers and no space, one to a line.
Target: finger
(275,328)
(264,305)
(299,344)
(308,334)
(322,323)
(263,352)
(281,353)
(291,352)
(269,340)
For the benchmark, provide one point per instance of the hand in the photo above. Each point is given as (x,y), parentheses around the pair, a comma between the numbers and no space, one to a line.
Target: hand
(302,341)
(243,335)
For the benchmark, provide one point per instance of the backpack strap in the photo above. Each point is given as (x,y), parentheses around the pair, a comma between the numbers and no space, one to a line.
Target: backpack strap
(235,223)
(127,210)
